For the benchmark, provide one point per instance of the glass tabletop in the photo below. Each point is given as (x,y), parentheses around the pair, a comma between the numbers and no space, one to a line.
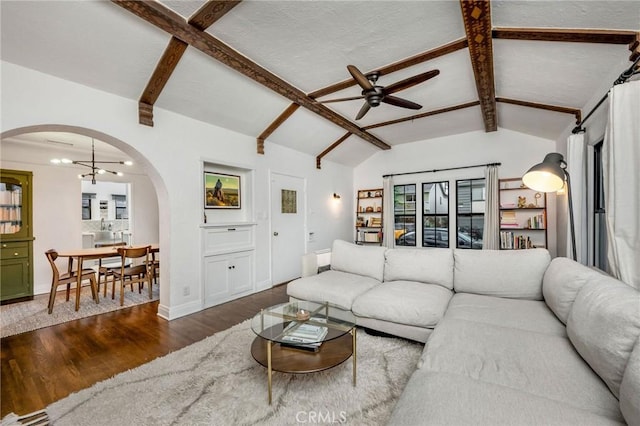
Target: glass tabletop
(302,323)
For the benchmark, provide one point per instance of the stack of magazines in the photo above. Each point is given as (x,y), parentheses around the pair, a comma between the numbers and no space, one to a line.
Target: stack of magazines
(305,335)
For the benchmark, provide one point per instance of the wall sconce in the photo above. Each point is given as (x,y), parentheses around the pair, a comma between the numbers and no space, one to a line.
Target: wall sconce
(336,196)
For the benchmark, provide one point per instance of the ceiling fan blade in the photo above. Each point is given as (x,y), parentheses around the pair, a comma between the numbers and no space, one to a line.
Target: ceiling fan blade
(411,81)
(360,78)
(365,108)
(328,101)
(393,100)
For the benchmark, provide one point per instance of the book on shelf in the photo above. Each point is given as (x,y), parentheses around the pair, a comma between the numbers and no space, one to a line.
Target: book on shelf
(511,241)
(537,222)
(508,219)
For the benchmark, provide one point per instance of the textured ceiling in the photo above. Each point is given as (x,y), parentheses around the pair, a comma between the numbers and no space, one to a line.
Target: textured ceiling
(308,44)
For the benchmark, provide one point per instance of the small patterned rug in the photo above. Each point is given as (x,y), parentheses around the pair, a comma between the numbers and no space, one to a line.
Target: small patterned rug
(31,315)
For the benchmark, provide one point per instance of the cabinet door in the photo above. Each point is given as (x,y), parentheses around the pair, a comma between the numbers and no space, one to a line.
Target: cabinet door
(14,279)
(216,279)
(15,205)
(241,272)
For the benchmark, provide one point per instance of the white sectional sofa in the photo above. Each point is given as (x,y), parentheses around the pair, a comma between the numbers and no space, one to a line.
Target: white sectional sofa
(511,337)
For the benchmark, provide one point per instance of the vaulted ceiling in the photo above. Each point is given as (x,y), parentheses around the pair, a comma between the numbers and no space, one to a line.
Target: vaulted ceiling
(264,68)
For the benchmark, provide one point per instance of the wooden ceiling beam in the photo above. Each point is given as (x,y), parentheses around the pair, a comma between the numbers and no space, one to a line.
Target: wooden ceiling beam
(202,19)
(566,35)
(331,148)
(634,47)
(274,125)
(164,18)
(397,66)
(476,15)
(423,115)
(566,110)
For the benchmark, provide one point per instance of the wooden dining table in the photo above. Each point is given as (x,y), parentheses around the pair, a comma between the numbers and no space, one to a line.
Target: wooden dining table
(80,255)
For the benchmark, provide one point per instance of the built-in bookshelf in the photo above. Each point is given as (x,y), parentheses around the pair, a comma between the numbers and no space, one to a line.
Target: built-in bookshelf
(369,216)
(16,236)
(523,216)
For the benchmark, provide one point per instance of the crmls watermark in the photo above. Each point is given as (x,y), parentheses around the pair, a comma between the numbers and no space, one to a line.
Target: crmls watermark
(315,417)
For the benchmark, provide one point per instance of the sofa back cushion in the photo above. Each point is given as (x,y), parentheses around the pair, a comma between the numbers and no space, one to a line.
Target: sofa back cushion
(603,325)
(367,261)
(630,388)
(514,274)
(562,282)
(431,266)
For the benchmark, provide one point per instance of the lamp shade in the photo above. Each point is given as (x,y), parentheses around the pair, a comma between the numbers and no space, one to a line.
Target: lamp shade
(547,176)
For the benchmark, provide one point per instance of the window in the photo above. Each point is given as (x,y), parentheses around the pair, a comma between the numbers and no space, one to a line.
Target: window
(86,205)
(470,217)
(404,212)
(599,225)
(435,214)
(121,206)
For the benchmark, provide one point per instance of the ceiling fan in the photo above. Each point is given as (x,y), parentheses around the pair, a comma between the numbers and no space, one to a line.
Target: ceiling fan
(374,94)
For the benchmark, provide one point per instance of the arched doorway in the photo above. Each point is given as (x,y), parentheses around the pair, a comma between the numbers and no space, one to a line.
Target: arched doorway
(57,209)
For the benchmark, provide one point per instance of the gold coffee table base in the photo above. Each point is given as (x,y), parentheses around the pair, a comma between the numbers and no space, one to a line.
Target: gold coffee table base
(285,359)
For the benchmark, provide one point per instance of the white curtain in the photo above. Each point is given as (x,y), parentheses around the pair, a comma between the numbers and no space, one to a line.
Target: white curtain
(490,236)
(388,237)
(621,173)
(577,169)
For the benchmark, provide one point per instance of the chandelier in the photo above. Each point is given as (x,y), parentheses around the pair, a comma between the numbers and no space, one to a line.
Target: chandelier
(91,164)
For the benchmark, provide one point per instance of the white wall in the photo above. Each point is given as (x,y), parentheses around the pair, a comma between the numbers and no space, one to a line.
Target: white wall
(57,217)
(172,154)
(516,151)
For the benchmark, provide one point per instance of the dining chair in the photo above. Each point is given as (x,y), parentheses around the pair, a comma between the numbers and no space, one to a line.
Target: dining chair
(107,271)
(139,270)
(68,278)
(154,265)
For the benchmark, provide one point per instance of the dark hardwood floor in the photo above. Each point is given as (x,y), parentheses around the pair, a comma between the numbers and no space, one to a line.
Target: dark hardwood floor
(43,366)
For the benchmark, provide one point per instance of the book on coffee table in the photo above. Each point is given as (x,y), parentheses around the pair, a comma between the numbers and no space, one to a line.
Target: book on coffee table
(305,334)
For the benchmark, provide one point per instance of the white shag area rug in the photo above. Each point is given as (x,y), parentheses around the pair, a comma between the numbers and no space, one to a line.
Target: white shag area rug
(217,382)
(31,315)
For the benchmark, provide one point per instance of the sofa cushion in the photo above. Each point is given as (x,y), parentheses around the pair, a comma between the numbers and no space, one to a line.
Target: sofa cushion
(561,283)
(604,325)
(540,364)
(529,315)
(355,259)
(501,273)
(435,398)
(630,388)
(433,266)
(404,302)
(335,287)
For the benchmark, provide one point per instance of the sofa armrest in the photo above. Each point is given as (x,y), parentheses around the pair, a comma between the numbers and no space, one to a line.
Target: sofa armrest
(311,262)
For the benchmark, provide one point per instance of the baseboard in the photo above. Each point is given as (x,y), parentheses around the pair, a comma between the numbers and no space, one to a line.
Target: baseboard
(180,310)
(263,285)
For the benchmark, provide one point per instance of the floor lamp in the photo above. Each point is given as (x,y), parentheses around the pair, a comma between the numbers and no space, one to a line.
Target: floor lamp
(550,176)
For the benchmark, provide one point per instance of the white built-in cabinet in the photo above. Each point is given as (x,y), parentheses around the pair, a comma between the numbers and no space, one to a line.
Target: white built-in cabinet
(228,261)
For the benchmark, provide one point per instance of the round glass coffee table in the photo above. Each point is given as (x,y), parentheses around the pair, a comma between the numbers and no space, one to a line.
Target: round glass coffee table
(303,337)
